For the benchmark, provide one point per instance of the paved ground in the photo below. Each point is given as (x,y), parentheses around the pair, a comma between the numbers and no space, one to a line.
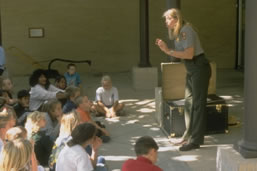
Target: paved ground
(139,121)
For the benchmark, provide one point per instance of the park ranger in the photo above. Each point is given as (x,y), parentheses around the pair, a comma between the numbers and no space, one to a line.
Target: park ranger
(188,48)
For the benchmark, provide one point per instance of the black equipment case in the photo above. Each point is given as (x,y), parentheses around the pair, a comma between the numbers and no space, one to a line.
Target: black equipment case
(173,121)
(217,115)
(173,117)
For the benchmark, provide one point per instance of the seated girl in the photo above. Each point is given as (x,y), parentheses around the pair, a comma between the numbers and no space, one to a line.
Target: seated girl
(43,143)
(16,155)
(73,156)
(60,82)
(20,132)
(53,109)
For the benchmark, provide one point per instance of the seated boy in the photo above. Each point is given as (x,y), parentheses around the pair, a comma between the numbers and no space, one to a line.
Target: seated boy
(70,105)
(107,98)
(146,151)
(22,107)
(72,77)
(83,108)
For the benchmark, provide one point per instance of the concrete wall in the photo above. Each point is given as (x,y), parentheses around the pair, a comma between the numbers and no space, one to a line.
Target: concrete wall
(106,32)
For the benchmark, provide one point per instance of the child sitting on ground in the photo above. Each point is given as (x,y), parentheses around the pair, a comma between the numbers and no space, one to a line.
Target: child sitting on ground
(6,122)
(20,132)
(72,93)
(72,77)
(15,133)
(16,155)
(74,157)
(146,150)
(68,122)
(107,98)
(83,108)
(53,109)
(22,107)
(6,85)
(60,82)
(43,144)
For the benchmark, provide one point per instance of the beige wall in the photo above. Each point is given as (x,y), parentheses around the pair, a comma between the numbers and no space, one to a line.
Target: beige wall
(216,24)
(106,32)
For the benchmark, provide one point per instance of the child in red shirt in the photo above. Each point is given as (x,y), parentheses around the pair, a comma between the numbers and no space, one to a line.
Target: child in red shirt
(146,151)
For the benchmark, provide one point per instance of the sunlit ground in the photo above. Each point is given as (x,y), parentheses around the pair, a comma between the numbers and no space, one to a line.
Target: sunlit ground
(141,113)
(186,158)
(118,158)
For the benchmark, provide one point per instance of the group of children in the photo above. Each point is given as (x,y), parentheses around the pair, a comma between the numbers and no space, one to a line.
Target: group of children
(51,125)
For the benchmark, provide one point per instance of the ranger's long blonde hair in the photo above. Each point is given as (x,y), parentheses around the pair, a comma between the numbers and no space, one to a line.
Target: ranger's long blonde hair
(16,155)
(176,14)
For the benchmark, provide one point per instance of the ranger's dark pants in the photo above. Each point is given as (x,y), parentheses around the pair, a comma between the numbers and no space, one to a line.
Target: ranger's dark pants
(197,81)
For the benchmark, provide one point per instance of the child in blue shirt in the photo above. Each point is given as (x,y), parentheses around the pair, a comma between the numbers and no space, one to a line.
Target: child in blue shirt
(72,77)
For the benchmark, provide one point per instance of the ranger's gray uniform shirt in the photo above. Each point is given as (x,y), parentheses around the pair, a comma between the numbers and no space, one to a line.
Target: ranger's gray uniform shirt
(188,38)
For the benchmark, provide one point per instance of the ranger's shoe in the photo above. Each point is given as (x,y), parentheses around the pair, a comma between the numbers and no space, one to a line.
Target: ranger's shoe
(188,147)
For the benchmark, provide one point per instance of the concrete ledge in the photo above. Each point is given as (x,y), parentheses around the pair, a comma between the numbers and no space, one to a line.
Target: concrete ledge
(228,159)
(145,78)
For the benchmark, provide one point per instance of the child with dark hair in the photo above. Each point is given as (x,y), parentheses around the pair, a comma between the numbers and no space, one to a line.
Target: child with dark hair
(60,82)
(22,107)
(72,93)
(146,150)
(41,90)
(73,156)
(72,77)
